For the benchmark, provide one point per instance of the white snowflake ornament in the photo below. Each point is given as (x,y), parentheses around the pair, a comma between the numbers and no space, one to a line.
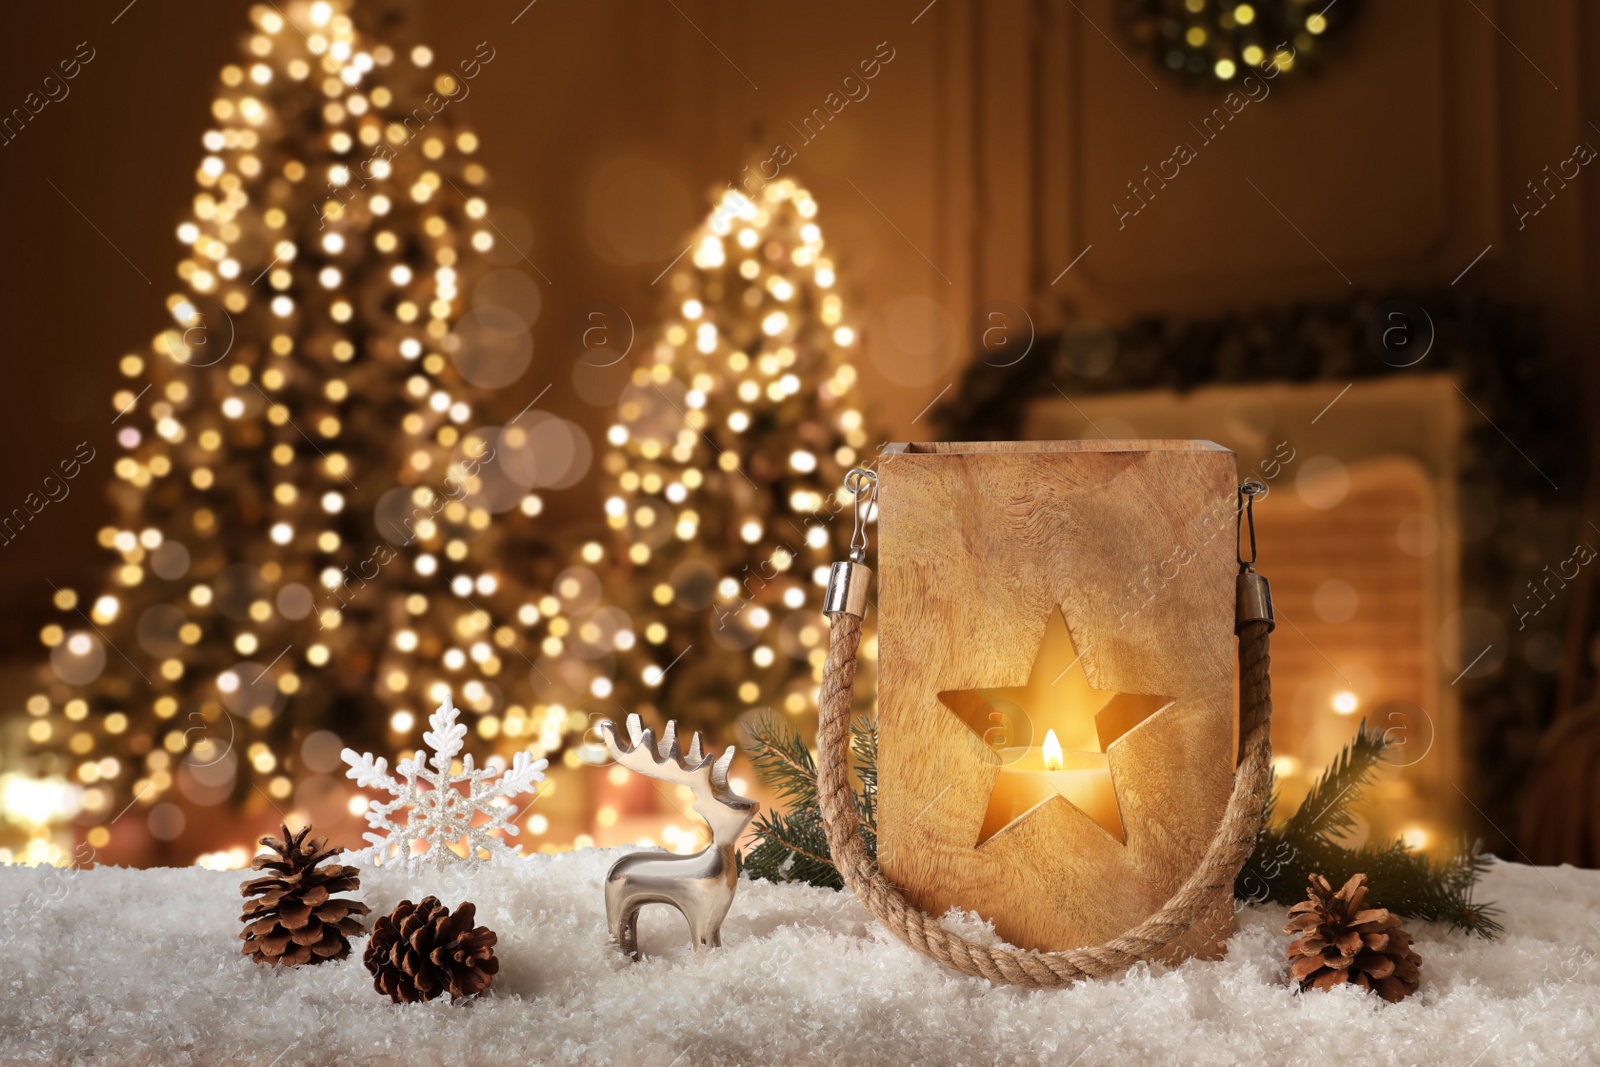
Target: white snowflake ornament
(441,814)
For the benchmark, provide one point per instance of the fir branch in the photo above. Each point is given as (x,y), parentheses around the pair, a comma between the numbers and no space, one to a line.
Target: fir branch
(782,760)
(1326,810)
(1406,882)
(792,846)
(1416,886)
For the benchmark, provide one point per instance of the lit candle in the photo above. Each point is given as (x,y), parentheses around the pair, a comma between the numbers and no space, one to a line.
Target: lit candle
(1072,763)
(1031,776)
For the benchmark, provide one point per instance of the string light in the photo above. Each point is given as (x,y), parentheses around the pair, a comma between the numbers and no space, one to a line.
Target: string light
(1224,41)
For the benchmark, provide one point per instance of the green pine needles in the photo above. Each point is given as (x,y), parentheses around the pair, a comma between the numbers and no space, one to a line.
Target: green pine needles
(1408,883)
(792,847)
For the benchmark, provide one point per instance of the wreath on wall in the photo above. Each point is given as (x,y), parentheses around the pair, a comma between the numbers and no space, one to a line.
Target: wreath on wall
(1220,41)
(1521,391)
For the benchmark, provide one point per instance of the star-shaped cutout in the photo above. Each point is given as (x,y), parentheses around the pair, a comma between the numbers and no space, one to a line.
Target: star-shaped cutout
(1052,734)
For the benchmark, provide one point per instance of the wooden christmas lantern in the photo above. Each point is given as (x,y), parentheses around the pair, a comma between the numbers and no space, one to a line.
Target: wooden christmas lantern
(1056,692)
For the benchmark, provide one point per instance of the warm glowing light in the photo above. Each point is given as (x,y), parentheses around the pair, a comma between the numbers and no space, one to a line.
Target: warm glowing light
(37,802)
(1071,761)
(1054,759)
(1345,702)
(1414,837)
(232,859)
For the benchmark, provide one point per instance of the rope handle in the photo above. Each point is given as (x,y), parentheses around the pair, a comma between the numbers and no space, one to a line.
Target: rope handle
(845,604)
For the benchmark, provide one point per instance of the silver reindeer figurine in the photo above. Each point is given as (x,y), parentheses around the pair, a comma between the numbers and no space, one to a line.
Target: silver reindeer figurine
(700,886)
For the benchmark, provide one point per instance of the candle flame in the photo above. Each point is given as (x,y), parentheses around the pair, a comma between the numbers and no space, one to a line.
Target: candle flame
(1052,752)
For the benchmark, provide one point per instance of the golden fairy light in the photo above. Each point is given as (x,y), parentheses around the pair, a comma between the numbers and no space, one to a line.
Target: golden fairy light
(306,546)
(1233,44)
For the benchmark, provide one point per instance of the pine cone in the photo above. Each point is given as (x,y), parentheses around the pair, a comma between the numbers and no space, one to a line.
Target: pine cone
(1341,942)
(422,950)
(292,920)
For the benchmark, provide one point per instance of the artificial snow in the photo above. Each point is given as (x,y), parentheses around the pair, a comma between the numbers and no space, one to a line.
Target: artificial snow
(116,966)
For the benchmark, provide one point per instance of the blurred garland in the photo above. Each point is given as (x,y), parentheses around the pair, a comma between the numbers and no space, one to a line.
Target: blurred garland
(1218,41)
(1502,365)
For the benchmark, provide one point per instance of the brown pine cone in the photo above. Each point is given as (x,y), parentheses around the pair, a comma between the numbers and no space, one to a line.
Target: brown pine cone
(1342,942)
(422,950)
(293,920)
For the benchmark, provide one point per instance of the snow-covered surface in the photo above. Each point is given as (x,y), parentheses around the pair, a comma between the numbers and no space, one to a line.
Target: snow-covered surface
(143,967)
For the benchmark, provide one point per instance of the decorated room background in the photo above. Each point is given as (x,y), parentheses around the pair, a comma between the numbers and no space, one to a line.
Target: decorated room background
(392,375)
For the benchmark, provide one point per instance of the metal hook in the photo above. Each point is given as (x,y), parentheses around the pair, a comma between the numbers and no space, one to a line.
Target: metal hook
(1248,491)
(863,484)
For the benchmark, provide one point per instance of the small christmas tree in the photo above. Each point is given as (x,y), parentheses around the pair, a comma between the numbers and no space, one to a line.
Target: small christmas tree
(727,462)
(308,525)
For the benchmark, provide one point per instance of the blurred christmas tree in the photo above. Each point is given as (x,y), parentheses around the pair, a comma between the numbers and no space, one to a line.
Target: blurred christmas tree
(727,462)
(307,528)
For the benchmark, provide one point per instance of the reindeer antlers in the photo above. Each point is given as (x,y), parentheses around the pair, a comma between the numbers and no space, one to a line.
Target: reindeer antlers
(666,762)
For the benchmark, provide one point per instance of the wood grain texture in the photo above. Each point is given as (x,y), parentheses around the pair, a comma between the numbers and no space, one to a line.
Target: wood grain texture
(978,545)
